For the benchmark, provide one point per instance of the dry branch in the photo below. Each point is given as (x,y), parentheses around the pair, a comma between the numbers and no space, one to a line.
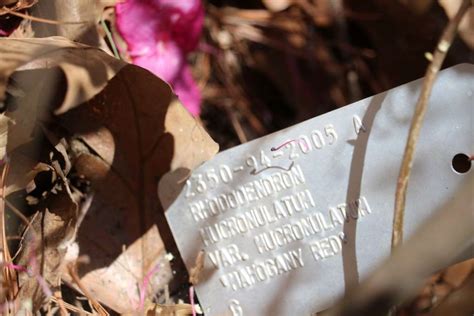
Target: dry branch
(41,20)
(95,304)
(420,110)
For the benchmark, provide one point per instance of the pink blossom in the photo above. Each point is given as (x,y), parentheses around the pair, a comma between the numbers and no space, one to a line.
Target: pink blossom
(159,35)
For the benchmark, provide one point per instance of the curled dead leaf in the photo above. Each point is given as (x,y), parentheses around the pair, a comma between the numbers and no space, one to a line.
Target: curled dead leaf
(80,70)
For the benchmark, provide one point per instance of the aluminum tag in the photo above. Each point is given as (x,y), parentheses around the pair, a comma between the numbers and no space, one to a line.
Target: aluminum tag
(290,220)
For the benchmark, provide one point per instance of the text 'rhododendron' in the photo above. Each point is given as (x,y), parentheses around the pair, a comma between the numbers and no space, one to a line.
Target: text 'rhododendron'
(159,34)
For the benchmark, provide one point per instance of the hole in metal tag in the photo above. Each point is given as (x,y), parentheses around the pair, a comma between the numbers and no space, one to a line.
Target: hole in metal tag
(461,163)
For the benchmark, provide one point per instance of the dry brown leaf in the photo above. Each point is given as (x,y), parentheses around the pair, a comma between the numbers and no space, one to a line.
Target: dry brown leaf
(187,157)
(78,19)
(85,70)
(466,28)
(458,273)
(458,303)
(133,133)
(139,133)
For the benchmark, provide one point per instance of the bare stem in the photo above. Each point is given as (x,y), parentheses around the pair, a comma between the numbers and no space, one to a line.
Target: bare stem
(421,106)
(41,20)
(95,304)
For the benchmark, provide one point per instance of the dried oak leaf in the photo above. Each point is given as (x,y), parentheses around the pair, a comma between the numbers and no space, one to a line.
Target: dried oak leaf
(82,17)
(133,132)
(83,71)
(28,98)
(136,132)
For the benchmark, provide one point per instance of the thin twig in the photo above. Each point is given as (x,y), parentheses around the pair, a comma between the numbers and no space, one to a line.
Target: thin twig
(239,131)
(28,223)
(36,19)
(60,303)
(16,211)
(9,276)
(70,307)
(421,106)
(95,304)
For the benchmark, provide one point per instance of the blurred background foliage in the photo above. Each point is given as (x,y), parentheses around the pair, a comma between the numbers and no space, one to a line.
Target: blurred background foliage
(265,65)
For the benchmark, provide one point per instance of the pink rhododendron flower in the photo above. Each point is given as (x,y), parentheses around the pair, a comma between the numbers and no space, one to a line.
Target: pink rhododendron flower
(159,35)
